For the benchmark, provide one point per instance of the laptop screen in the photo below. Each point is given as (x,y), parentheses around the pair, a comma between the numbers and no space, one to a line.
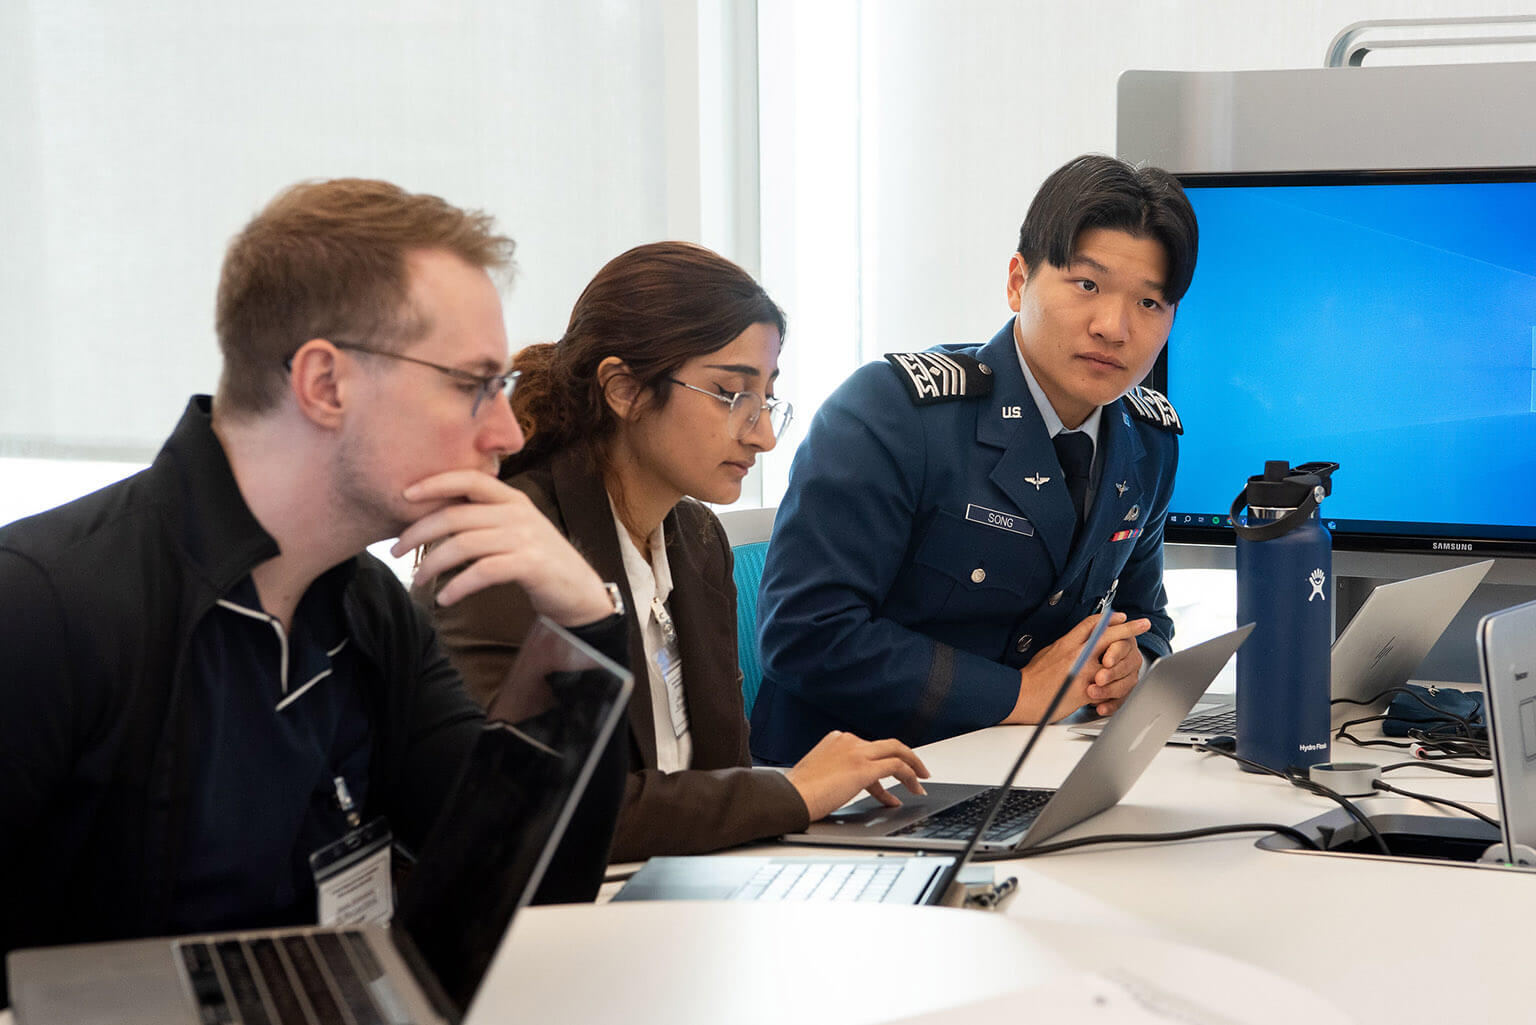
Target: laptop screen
(544,734)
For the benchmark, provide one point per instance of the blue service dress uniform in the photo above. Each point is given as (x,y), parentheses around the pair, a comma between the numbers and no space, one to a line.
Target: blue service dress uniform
(925,549)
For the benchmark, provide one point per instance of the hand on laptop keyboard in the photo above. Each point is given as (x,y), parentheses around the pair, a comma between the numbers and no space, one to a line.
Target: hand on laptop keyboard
(842,764)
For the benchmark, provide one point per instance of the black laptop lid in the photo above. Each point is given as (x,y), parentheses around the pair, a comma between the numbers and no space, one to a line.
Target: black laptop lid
(543,737)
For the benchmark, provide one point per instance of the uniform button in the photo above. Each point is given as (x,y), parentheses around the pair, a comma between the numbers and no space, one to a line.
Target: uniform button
(978,575)
(986,370)
(1054,598)
(1024,643)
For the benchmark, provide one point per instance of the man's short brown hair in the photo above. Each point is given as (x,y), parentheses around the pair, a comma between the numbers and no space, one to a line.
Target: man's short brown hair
(328,260)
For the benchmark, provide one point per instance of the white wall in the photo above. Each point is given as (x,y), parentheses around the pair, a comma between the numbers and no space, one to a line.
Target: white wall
(141,136)
(921,130)
(899,144)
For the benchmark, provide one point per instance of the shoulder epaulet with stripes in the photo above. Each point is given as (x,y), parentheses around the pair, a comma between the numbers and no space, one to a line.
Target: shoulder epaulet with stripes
(941,376)
(1154,407)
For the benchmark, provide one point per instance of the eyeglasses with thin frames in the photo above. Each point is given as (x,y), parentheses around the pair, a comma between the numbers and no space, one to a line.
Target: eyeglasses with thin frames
(486,385)
(745,409)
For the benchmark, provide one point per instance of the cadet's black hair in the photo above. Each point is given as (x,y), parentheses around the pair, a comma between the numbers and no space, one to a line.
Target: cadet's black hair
(1096,191)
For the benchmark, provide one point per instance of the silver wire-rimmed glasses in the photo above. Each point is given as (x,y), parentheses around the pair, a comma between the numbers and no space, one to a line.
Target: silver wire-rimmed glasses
(487,385)
(745,409)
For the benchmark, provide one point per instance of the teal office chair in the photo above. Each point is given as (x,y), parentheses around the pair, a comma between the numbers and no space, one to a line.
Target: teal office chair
(748,531)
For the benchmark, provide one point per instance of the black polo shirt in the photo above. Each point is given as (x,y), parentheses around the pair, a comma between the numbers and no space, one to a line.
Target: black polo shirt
(280,715)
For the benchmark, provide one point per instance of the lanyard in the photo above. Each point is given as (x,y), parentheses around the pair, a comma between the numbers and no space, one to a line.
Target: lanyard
(345,803)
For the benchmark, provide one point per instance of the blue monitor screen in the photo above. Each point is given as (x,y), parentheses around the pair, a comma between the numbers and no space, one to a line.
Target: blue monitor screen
(1384,321)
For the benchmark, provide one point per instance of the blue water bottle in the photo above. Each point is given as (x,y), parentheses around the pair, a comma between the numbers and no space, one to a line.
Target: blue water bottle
(1284,568)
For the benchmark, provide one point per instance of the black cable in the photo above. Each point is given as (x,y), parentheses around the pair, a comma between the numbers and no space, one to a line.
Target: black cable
(1444,713)
(1430,799)
(1461,742)
(1425,763)
(1184,834)
(1345,735)
(1426,753)
(1434,745)
(1345,803)
(1349,806)
(1450,747)
(1312,787)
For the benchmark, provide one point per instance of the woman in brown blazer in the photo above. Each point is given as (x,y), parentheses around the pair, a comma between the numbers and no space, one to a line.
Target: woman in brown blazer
(657,399)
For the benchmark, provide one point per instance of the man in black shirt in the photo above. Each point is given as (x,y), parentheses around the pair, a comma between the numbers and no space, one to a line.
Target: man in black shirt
(206,677)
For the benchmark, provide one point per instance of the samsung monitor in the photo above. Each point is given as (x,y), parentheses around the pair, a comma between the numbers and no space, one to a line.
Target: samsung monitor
(1384,320)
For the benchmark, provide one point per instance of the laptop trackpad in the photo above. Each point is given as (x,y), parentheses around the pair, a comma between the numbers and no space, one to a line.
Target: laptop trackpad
(127,983)
(690,878)
(875,819)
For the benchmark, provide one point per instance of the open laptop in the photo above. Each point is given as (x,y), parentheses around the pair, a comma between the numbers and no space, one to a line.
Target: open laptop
(911,879)
(1506,644)
(1380,649)
(944,818)
(543,738)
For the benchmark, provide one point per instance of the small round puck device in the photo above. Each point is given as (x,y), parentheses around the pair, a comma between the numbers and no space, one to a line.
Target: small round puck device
(1348,779)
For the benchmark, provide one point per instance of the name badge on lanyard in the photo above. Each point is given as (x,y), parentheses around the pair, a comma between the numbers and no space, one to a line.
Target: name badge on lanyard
(353,882)
(671,666)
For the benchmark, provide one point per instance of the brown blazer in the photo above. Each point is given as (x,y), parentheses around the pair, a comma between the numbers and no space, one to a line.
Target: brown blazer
(721,801)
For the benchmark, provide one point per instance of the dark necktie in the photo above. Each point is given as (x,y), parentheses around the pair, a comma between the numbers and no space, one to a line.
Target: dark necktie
(1074,449)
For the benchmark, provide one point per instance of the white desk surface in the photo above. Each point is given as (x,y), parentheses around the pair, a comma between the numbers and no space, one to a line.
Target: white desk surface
(642,963)
(1385,942)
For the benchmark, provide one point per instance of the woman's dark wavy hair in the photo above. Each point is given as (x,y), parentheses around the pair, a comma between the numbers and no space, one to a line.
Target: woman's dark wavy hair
(1096,191)
(655,307)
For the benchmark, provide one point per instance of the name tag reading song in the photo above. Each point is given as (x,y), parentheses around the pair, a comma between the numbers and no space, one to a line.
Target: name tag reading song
(1001,520)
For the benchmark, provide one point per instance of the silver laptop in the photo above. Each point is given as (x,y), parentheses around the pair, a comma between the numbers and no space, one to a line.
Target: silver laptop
(542,741)
(1380,649)
(1506,642)
(914,878)
(944,819)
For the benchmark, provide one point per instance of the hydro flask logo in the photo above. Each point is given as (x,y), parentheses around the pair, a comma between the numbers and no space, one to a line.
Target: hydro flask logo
(1316,580)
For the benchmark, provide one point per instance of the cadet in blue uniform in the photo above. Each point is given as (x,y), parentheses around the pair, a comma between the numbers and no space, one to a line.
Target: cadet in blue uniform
(930,571)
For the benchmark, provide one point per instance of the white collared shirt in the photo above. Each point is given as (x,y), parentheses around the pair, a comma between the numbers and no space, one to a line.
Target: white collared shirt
(650,585)
(1054,426)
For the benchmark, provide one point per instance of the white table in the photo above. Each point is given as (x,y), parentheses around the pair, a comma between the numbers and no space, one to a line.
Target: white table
(1383,941)
(1269,936)
(642,963)
(1388,942)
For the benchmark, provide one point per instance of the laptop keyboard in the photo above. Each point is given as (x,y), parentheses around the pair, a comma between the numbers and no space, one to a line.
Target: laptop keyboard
(820,881)
(959,821)
(297,979)
(1218,723)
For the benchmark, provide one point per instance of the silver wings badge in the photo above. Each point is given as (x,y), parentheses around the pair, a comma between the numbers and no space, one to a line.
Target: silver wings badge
(1038,481)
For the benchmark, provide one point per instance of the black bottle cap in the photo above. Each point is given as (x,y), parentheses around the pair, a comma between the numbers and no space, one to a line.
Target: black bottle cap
(1281,487)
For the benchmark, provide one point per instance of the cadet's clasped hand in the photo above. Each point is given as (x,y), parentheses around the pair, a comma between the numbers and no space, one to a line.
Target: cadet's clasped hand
(1105,681)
